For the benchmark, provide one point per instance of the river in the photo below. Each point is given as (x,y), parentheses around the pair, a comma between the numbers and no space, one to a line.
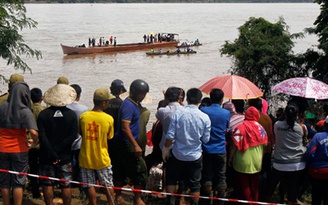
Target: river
(212,24)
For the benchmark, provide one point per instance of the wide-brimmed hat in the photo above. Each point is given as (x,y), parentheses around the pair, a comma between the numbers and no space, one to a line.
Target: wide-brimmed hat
(60,95)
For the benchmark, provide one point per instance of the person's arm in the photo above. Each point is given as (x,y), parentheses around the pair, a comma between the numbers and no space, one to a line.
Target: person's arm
(233,149)
(128,134)
(35,137)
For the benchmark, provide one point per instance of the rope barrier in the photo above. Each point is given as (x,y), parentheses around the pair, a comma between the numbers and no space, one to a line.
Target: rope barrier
(136,190)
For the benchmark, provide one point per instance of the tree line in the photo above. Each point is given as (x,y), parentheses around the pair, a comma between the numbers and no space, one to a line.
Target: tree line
(167,1)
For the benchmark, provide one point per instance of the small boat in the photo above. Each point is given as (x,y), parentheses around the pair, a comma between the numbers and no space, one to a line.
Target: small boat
(170,53)
(186,46)
(73,50)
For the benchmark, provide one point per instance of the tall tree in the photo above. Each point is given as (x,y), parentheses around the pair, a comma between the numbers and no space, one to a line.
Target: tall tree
(318,58)
(12,45)
(263,52)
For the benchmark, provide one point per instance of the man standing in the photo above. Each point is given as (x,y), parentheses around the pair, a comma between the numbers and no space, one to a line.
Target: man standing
(129,163)
(164,114)
(214,152)
(78,109)
(189,128)
(116,89)
(57,131)
(96,127)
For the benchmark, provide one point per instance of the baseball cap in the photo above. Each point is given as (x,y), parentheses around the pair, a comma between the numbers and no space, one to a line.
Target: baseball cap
(101,94)
(14,78)
(118,83)
(62,80)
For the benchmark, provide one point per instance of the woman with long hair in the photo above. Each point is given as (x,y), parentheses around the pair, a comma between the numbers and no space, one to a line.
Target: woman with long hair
(288,156)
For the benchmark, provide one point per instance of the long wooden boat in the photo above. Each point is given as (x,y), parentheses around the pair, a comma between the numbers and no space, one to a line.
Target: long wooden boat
(71,50)
(170,53)
(186,46)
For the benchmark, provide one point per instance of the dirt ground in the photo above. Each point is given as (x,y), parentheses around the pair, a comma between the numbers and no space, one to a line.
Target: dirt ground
(80,199)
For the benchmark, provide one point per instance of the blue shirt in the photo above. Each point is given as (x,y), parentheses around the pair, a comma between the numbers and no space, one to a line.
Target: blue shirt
(129,112)
(317,152)
(220,121)
(189,127)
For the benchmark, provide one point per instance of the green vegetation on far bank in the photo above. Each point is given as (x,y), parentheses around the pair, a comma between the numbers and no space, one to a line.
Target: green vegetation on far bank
(168,1)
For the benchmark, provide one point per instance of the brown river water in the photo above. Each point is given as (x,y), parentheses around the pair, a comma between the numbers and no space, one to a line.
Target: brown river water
(212,24)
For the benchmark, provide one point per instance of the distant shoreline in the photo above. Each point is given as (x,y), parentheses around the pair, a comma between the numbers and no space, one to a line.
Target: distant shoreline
(166,2)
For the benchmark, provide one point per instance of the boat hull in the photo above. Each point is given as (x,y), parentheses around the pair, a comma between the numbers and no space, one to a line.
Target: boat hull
(71,50)
(170,53)
(193,45)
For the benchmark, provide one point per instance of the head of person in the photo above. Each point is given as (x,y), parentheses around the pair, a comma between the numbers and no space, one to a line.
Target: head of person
(172,94)
(194,96)
(162,103)
(252,114)
(138,90)
(117,87)
(15,78)
(326,123)
(206,101)
(18,105)
(101,98)
(239,105)
(216,96)
(182,95)
(62,80)
(230,107)
(36,95)
(78,91)
(280,112)
(60,95)
(257,103)
(291,112)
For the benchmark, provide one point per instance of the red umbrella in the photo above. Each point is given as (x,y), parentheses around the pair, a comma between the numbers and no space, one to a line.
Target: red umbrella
(233,86)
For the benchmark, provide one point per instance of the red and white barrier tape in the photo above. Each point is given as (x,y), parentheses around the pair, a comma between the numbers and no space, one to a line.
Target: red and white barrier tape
(135,190)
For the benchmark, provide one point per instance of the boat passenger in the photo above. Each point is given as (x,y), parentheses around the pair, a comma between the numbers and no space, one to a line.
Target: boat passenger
(188,49)
(115,41)
(160,51)
(111,40)
(152,50)
(178,50)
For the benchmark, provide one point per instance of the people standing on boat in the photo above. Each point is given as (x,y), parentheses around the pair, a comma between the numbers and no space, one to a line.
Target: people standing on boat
(93,42)
(159,37)
(115,41)
(151,38)
(90,42)
(111,40)
(100,41)
(145,38)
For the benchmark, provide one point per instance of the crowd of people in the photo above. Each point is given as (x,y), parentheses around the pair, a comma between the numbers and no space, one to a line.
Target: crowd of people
(102,42)
(206,148)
